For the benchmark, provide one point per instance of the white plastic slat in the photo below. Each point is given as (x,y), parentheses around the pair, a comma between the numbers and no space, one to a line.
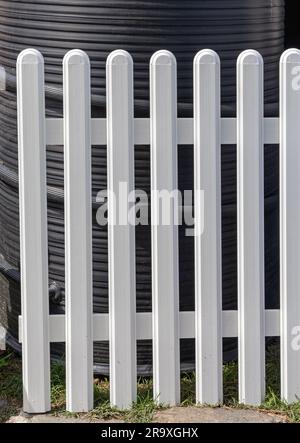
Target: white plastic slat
(208,277)
(165,284)
(250,187)
(33,232)
(289,224)
(144,325)
(121,233)
(78,232)
(2,78)
(185,134)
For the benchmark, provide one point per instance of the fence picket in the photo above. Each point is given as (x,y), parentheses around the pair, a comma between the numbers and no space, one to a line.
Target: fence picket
(208,282)
(250,203)
(165,279)
(121,234)
(289,224)
(78,232)
(165,325)
(33,232)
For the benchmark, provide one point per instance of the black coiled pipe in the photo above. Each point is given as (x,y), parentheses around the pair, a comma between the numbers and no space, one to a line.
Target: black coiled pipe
(140,27)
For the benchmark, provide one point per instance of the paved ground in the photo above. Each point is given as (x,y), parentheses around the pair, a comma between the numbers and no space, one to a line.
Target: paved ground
(215,415)
(53,419)
(173,415)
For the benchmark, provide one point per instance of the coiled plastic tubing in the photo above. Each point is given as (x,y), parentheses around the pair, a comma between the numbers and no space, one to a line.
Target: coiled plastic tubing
(140,27)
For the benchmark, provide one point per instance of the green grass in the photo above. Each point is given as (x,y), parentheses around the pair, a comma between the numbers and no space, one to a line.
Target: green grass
(144,408)
(10,385)
(141,412)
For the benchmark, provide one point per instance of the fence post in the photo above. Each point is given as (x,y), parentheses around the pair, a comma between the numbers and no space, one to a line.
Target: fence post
(289,224)
(121,230)
(208,281)
(165,285)
(78,232)
(250,206)
(33,232)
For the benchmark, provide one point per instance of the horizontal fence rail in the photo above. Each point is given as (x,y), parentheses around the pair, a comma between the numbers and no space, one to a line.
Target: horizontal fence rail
(165,133)
(144,326)
(185,131)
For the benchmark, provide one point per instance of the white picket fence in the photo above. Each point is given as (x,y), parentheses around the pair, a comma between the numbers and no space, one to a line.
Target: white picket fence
(79,327)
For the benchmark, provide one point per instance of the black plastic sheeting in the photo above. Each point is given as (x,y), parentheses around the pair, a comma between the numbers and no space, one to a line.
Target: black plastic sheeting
(292,35)
(141,27)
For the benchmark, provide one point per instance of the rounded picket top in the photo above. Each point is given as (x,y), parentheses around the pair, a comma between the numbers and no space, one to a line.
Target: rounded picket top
(72,77)
(76,57)
(119,57)
(34,60)
(30,56)
(291,55)
(250,57)
(206,57)
(163,58)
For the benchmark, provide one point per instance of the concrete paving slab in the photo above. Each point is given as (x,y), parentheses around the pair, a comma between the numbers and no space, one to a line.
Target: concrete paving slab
(215,415)
(48,418)
(173,415)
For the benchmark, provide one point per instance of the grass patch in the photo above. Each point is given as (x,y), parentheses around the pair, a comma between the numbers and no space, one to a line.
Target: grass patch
(144,408)
(10,385)
(141,412)
(58,387)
